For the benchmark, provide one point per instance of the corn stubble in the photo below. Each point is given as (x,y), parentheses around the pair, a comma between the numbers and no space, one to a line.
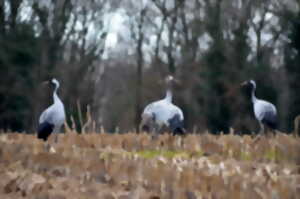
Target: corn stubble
(123,166)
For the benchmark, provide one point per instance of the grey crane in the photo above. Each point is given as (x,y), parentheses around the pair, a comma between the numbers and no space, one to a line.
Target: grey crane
(265,112)
(163,113)
(53,117)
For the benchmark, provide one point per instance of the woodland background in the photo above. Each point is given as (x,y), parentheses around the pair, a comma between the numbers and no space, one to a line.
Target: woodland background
(112,55)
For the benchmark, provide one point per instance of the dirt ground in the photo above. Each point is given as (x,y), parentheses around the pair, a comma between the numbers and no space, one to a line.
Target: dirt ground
(121,166)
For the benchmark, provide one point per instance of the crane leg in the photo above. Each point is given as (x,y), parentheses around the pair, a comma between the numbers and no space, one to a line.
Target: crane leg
(262,129)
(155,131)
(56,138)
(47,146)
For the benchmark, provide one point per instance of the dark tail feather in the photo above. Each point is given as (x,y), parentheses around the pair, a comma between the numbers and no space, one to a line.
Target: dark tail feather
(271,124)
(44,130)
(145,128)
(176,125)
(179,131)
(270,120)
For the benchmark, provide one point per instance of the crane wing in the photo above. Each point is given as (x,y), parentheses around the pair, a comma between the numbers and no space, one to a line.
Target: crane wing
(261,108)
(45,115)
(164,113)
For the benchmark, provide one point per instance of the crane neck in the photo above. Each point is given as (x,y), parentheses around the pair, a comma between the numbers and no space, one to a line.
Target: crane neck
(169,95)
(55,96)
(253,97)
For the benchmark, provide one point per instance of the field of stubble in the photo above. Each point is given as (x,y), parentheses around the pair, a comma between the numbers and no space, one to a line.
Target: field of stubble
(121,166)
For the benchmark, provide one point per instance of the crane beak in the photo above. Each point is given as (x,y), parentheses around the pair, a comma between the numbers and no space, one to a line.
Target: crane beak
(45,82)
(244,83)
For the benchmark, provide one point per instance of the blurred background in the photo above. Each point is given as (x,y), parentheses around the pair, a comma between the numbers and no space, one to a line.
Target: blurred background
(112,55)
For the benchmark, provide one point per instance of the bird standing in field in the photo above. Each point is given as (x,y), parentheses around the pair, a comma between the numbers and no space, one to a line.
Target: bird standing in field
(163,113)
(265,112)
(53,117)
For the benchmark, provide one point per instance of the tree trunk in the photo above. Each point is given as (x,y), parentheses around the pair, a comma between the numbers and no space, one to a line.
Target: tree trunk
(139,71)
(2,18)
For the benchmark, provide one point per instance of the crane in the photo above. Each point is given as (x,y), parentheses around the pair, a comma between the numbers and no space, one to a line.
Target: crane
(53,117)
(264,111)
(163,113)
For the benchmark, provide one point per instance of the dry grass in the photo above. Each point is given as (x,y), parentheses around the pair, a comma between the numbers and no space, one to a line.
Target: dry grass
(134,166)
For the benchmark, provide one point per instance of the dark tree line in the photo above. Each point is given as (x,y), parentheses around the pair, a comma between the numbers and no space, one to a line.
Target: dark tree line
(112,57)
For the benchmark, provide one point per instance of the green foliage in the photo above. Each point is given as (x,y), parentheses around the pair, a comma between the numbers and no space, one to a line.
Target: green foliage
(18,58)
(218,75)
(148,154)
(292,61)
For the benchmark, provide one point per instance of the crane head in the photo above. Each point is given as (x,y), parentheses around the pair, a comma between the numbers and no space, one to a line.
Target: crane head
(170,79)
(251,83)
(53,82)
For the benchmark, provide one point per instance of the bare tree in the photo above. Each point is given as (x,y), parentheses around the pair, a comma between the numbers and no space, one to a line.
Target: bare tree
(170,18)
(138,36)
